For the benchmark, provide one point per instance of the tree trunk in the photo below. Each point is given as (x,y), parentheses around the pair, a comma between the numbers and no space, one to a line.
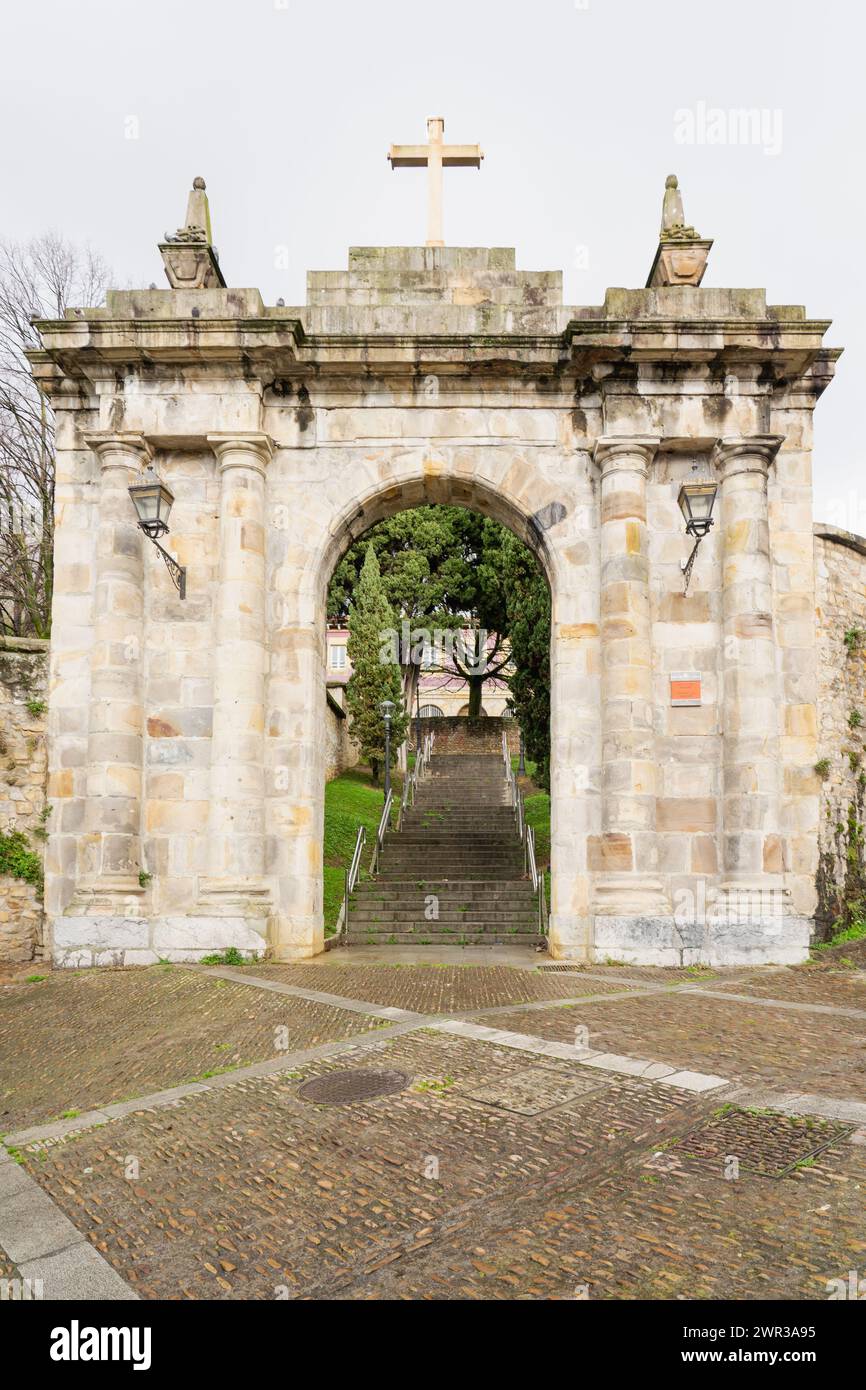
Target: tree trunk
(476,686)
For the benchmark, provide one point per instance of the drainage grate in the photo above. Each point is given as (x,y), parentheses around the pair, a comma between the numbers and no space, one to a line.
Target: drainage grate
(562,969)
(768,1145)
(349,1087)
(533,1091)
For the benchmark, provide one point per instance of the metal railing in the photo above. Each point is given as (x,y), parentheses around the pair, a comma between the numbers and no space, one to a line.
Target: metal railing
(410,785)
(527,838)
(352,874)
(384,823)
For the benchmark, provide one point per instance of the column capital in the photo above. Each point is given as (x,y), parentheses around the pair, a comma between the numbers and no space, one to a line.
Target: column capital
(119,449)
(625,452)
(745,454)
(243,449)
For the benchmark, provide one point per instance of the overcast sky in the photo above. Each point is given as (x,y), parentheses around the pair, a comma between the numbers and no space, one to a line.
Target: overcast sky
(108,108)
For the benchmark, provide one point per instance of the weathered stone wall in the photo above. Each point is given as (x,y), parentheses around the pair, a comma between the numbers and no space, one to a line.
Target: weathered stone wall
(23,691)
(341,749)
(840,580)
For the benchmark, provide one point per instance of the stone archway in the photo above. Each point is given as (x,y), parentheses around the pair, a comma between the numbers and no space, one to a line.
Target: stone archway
(522,501)
(185,757)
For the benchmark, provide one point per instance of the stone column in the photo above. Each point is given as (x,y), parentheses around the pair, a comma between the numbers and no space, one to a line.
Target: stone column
(625,855)
(752,844)
(236,883)
(111,859)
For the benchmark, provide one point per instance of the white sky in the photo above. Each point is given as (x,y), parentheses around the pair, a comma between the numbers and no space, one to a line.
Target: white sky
(287,108)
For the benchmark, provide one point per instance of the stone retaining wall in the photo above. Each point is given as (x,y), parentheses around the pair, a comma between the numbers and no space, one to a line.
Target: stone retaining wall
(840,594)
(23,688)
(458,734)
(341,751)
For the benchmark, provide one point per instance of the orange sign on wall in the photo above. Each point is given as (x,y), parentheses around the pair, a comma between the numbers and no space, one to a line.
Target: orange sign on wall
(685,687)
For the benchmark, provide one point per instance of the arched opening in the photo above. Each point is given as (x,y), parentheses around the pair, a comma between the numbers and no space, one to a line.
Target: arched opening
(427,564)
(564,541)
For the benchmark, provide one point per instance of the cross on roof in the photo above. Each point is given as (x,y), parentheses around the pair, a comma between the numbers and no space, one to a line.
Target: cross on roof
(435,156)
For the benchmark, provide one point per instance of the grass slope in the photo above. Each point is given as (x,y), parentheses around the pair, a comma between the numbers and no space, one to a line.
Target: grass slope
(350,800)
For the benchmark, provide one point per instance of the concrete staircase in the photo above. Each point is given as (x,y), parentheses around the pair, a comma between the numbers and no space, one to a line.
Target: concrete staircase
(454,873)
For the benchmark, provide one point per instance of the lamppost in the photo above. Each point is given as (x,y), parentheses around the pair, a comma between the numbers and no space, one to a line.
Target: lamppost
(153,501)
(418,717)
(387,707)
(696,504)
(521,766)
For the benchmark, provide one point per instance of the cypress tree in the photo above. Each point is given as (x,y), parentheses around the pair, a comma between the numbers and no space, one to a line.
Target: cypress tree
(375,669)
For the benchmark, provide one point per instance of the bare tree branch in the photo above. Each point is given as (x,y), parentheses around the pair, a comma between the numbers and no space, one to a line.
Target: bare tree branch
(38,279)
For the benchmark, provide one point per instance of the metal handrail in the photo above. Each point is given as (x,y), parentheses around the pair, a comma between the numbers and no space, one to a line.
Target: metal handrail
(351,879)
(542,905)
(527,838)
(530,856)
(355,867)
(380,833)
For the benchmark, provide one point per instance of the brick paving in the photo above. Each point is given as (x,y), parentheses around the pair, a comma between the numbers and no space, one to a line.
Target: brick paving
(809,1052)
(82,1039)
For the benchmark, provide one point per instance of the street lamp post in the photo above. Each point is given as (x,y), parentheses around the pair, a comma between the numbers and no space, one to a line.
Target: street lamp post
(521,766)
(387,707)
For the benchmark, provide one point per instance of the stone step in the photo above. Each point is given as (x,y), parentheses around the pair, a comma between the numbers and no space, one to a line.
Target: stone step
(430,938)
(475,912)
(436,882)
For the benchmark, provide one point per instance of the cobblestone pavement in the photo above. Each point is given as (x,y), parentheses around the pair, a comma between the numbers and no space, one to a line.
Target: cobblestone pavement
(740,1041)
(439,989)
(648,1234)
(7,1268)
(250,1190)
(81,1039)
(495,1173)
(807,984)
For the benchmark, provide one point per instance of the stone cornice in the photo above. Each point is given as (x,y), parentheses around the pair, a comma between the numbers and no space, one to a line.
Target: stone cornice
(95,345)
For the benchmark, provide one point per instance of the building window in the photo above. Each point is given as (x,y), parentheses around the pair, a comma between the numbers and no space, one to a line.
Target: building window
(338,658)
(431,712)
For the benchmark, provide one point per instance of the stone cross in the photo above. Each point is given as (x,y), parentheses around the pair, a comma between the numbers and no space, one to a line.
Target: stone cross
(435,156)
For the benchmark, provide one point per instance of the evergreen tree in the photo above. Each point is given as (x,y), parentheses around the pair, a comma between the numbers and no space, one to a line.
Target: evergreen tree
(528,609)
(375,673)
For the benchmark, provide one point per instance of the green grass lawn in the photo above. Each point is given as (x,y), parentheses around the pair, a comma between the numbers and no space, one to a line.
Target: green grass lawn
(538,816)
(537,805)
(350,800)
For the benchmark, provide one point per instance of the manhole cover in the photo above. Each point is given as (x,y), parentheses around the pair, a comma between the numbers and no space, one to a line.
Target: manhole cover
(348,1087)
(770,1146)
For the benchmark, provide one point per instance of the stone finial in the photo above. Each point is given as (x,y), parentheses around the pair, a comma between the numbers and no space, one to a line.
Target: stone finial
(189,256)
(682,254)
(673,218)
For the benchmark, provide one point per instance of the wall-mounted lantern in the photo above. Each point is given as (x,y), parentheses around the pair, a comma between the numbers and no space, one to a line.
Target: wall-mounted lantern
(153,501)
(696,504)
